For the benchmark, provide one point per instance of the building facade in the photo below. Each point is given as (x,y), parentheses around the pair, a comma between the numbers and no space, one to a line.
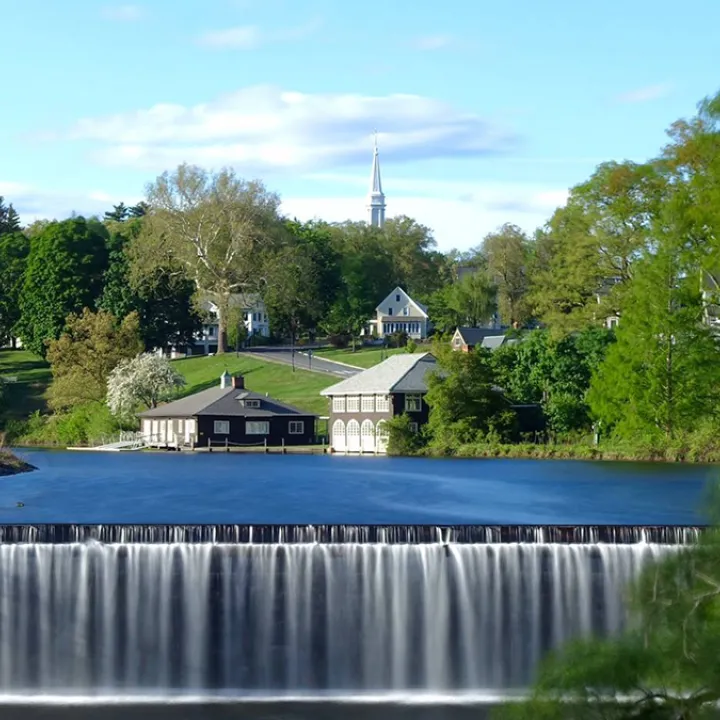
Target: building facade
(399,313)
(228,414)
(361,405)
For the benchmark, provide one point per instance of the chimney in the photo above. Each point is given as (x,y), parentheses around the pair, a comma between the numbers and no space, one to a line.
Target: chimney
(238,382)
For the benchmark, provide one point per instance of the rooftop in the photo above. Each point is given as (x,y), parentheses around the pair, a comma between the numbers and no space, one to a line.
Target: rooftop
(404,372)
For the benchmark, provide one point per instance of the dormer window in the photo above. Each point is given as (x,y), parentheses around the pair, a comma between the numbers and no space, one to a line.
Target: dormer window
(252,403)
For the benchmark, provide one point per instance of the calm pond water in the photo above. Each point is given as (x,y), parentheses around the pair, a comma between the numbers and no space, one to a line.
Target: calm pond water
(86,487)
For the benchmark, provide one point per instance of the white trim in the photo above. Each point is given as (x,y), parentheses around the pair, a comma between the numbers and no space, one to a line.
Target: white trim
(296,424)
(257,427)
(221,427)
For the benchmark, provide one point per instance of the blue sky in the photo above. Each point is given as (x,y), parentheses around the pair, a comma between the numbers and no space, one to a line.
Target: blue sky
(486,112)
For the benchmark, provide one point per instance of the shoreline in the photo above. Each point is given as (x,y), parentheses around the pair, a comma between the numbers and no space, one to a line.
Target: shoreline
(13,465)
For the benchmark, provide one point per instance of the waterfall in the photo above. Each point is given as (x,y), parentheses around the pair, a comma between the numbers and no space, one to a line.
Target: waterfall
(247,617)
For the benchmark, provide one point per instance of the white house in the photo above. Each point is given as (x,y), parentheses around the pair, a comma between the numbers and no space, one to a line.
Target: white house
(398,312)
(254,315)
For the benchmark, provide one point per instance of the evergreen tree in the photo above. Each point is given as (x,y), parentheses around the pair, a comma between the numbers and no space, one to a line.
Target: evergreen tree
(662,377)
(64,274)
(9,219)
(119,213)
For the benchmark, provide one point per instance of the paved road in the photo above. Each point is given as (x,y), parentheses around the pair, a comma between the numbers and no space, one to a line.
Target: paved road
(303,361)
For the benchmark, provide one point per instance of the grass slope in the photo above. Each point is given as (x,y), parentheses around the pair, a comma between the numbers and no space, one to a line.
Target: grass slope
(300,388)
(365,358)
(28,394)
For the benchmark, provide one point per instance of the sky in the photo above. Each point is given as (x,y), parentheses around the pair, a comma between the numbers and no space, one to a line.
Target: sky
(486,112)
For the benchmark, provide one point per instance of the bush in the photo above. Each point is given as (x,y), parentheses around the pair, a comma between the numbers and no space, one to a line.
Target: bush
(339,340)
(402,440)
(411,346)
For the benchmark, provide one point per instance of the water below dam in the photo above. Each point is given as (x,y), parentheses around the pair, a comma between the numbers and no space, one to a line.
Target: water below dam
(305,611)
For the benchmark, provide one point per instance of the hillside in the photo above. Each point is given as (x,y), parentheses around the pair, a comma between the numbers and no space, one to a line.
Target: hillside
(300,388)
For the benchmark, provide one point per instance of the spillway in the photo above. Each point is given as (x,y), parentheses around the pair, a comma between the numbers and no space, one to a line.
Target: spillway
(297,610)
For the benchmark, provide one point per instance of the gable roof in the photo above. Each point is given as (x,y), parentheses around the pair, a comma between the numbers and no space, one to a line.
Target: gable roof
(222,402)
(475,335)
(422,308)
(403,372)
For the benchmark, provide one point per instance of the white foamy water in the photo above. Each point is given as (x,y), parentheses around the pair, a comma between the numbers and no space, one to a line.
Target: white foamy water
(297,620)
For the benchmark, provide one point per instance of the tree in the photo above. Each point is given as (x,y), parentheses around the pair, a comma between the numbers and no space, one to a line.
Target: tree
(554,373)
(14,248)
(662,377)
(507,252)
(416,263)
(139,210)
(474,299)
(9,219)
(162,296)
(119,213)
(142,381)
(464,403)
(589,247)
(216,226)
(64,273)
(665,666)
(83,357)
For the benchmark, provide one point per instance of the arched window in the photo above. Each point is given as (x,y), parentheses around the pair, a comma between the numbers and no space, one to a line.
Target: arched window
(338,440)
(353,436)
(381,436)
(367,436)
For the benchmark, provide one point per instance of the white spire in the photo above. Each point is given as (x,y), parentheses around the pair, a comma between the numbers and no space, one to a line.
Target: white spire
(376,199)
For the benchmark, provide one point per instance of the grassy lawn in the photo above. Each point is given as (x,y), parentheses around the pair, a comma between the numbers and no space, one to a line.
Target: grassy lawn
(23,397)
(299,388)
(364,358)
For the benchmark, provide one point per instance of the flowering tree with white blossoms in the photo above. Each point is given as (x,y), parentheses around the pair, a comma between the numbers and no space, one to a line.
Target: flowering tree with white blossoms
(145,380)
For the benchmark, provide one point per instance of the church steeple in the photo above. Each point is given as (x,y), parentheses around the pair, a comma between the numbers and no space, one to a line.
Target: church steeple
(376,199)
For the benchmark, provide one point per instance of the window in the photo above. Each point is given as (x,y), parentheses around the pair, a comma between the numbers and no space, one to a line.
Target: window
(252,403)
(257,427)
(338,404)
(406,311)
(221,427)
(397,298)
(181,427)
(382,403)
(368,403)
(413,403)
(390,311)
(457,342)
(413,427)
(296,427)
(211,331)
(353,404)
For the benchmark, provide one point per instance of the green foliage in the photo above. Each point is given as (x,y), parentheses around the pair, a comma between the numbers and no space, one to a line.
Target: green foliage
(402,439)
(9,219)
(554,373)
(64,274)
(464,402)
(83,357)
(471,301)
(662,377)
(163,297)
(14,248)
(411,346)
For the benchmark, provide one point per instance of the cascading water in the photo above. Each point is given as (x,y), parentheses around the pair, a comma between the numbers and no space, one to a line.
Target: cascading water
(299,618)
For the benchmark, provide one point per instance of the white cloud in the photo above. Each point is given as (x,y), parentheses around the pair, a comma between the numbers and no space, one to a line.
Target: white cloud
(124,13)
(265,129)
(432,42)
(645,94)
(246,37)
(249,37)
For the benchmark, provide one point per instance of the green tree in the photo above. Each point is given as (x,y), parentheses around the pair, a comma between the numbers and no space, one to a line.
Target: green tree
(9,219)
(217,226)
(507,252)
(465,405)
(82,358)
(588,249)
(139,210)
(119,213)
(163,297)
(553,372)
(64,273)
(14,248)
(662,377)
(474,299)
